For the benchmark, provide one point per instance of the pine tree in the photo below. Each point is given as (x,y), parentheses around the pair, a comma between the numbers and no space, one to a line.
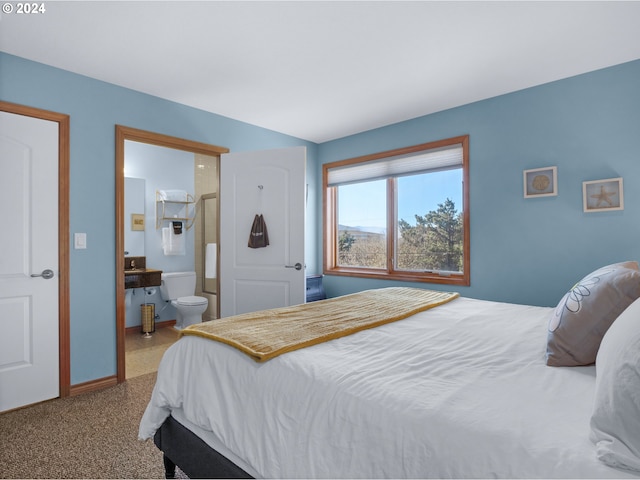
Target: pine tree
(435,242)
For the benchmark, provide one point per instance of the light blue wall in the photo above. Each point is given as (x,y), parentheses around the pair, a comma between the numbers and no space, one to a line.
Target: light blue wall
(522,250)
(532,250)
(95,108)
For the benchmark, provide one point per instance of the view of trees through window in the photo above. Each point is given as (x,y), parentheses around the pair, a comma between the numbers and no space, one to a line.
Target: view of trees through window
(429,227)
(401,214)
(433,243)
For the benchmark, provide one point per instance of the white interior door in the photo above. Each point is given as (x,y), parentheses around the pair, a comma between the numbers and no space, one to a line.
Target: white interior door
(29,362)
(271,183)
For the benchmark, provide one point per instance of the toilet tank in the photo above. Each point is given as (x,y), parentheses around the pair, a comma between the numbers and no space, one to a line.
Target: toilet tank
(177,284)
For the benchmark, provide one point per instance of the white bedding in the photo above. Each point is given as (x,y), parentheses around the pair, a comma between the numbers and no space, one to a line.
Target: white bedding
(461,390)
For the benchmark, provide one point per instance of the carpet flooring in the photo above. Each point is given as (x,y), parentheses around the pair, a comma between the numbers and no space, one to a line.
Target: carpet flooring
(94,435)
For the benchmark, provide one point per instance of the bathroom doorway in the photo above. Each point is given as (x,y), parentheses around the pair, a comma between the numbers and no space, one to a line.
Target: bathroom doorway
(203,234)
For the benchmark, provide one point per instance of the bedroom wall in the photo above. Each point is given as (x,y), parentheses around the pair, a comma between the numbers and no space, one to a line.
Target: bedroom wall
(532,250)
(95,108)
(522,250)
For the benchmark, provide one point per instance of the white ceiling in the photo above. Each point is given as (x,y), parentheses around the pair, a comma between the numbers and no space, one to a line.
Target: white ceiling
(324,70)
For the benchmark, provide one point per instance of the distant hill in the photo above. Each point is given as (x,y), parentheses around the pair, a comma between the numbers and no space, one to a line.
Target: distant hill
(375,230)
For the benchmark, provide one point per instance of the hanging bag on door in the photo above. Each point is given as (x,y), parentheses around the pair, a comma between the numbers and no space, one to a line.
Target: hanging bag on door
(258,237)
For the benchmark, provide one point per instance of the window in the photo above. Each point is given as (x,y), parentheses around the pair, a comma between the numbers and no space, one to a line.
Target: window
(401,214)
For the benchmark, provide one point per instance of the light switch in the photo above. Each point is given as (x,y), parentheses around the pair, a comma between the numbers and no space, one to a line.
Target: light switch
(80,240)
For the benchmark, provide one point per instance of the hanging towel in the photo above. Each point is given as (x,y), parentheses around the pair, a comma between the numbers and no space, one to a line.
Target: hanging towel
(210,265)
(258,237)
(173,195)
(173,244)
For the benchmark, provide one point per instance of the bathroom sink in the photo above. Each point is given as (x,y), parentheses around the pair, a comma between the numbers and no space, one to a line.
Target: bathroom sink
(134,271)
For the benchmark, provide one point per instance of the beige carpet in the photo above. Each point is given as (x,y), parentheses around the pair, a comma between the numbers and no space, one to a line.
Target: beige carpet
(88,436)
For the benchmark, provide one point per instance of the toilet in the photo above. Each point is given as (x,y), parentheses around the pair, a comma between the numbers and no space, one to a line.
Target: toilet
(178,288)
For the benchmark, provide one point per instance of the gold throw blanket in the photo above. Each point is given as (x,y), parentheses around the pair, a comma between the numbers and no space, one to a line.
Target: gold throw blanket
(268,333)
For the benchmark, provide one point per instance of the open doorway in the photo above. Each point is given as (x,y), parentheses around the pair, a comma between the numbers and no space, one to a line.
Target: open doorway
(126,135)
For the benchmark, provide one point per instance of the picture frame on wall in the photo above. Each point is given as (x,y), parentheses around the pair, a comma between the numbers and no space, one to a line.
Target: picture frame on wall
(603,195)
(137,222)
(540,182)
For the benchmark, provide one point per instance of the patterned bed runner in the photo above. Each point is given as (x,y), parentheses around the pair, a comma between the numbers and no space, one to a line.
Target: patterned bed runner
(268,333)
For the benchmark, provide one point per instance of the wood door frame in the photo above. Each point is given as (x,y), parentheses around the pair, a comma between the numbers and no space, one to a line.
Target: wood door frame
(133,134)
(63,121)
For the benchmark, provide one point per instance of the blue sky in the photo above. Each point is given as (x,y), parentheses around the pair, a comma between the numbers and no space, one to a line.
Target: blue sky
(364,204)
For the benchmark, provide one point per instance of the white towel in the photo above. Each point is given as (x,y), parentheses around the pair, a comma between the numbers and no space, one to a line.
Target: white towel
(172,195)
(211,261)
(173,244)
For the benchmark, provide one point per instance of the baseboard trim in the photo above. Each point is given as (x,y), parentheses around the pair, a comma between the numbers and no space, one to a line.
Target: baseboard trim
(112,381)
(93,385)
(166,323)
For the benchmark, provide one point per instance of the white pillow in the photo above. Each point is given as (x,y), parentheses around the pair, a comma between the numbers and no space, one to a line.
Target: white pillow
(615,423)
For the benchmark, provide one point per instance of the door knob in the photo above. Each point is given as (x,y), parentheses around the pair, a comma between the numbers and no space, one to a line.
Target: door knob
(297,266)
(46,274)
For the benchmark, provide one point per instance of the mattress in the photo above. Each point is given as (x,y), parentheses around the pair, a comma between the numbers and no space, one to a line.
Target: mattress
(459,391)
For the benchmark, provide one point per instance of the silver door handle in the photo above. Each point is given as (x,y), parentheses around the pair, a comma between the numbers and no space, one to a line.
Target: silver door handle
(46,274)
(297,266)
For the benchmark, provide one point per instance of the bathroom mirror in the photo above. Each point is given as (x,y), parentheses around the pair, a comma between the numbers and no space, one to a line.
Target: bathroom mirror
(162,168)
(134,216)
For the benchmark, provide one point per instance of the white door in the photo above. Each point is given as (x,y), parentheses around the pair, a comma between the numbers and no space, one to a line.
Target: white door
(29,370)
(271,183)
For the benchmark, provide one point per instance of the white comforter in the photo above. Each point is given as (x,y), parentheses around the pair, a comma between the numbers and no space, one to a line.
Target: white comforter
(459,391)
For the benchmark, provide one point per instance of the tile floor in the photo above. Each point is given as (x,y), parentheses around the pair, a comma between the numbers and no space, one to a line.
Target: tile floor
(143,354)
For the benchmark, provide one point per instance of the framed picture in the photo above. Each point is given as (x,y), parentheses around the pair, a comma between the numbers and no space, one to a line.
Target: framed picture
(541,182)
(603,195)
(137,221)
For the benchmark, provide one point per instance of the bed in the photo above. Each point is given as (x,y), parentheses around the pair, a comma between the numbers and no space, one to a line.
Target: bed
(461,390)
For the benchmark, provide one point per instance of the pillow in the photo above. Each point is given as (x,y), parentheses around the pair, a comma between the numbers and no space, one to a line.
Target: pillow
(615,423)
(584,314)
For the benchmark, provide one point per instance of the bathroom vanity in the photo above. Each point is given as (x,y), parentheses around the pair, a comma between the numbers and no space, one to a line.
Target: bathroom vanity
(137,275)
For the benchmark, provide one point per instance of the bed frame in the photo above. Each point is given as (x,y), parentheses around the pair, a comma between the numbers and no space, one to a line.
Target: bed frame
(183,448)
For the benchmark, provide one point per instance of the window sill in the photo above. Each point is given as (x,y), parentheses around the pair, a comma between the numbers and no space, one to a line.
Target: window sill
(453,279)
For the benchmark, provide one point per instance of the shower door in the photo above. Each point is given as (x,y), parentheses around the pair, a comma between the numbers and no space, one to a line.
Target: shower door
(210,243)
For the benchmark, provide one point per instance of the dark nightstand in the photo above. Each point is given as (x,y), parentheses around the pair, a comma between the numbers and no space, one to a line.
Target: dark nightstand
(315,290)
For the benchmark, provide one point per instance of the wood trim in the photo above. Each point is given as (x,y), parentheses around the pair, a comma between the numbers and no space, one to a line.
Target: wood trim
(454,279)
(120,310)
(133,134)
(466,239)
(398,151)
(392,197)
(93,385)
(161,140)
(165,324)
(328,222)
(63,121)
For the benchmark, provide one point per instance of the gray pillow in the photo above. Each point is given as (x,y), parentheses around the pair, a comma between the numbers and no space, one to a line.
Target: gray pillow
(615,423)
(586,312)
